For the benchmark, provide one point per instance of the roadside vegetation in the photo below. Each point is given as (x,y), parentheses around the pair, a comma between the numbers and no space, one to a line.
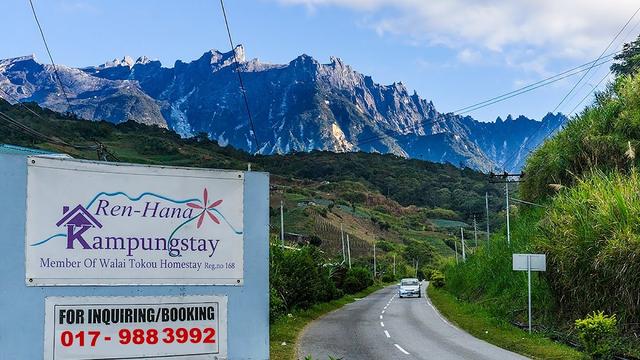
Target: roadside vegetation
(476,320)
(586,179)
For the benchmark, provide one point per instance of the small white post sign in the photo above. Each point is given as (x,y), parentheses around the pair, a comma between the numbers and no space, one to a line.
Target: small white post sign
(529,263)
(141,327)
(116,224)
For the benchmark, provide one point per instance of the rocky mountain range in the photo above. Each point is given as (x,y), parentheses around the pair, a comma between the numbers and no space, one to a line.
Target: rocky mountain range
(300,106)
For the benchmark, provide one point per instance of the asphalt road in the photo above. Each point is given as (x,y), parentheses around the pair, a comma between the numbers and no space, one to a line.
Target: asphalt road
(383,326)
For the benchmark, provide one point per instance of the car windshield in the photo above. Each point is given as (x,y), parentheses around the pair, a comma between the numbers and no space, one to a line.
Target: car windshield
(410,282)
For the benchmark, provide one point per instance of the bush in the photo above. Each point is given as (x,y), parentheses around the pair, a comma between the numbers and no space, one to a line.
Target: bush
(357,279)
(385,246)
(355,197)
(388,277)
(597,333)
(299,279)
(277,307)
(437,278)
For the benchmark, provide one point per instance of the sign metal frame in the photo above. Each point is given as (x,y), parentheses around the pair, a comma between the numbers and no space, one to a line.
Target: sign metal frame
(529,263)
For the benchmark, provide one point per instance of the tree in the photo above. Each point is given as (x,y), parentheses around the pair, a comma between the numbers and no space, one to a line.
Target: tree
(628,61)
(419,250)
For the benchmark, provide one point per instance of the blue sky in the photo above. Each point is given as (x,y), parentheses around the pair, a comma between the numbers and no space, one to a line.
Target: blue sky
(453,52)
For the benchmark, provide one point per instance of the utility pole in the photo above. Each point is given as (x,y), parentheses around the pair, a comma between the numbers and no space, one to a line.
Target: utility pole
(394,265)
(374,261)
(486,203)
(475,231)
(282,222)
(344,255)
(506,192)
(464,255)
(455,245)
(349,251)
(506,182)
(529,287)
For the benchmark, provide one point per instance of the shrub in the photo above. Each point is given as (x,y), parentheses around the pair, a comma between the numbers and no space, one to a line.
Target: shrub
(388,277)
(385,245)
(357,279)
(597,333)
(295,290)
(355,197)
(437,278)
(277,307)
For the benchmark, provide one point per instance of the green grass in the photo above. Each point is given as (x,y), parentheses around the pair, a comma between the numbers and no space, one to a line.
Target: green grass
(478,322)
(591,233)
(288,328)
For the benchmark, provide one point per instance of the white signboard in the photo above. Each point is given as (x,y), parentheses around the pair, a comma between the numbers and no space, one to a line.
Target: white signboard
(170,327)
(538,262)
(115,224)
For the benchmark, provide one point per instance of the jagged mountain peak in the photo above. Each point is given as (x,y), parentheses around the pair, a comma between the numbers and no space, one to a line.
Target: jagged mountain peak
(304,60)
(302,105)
(31,57)
(20,63)
(143,60)
(215,56)
(125,61)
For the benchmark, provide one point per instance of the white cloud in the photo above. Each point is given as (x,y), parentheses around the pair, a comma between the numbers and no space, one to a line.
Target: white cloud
(469,56)
(549,28)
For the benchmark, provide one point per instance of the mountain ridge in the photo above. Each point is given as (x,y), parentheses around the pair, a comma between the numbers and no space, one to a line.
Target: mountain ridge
(299,106)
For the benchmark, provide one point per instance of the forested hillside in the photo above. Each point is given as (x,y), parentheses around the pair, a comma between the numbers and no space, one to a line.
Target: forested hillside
(450,192)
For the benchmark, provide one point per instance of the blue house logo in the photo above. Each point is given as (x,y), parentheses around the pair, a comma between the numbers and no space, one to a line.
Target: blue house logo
(77,222)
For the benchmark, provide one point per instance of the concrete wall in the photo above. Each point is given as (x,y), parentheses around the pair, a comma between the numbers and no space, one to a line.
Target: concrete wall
(22,307)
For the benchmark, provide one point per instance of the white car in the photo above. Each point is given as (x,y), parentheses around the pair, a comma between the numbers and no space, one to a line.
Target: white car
(409,287)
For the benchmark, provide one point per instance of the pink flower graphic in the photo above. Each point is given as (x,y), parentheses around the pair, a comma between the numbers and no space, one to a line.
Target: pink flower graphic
(205,209)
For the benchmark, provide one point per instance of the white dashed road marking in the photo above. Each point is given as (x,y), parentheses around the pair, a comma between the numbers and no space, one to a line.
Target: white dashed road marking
(401,349)
(387,333)
(381,324)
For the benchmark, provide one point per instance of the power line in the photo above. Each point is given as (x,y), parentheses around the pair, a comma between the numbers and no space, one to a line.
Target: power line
(471,107)
(524,145)
(242,88)
(525,89)
(532,88)
(21,103)
(529,150)
(101,149)
(599,57)
(593,89)
(27,130)
(46,46)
